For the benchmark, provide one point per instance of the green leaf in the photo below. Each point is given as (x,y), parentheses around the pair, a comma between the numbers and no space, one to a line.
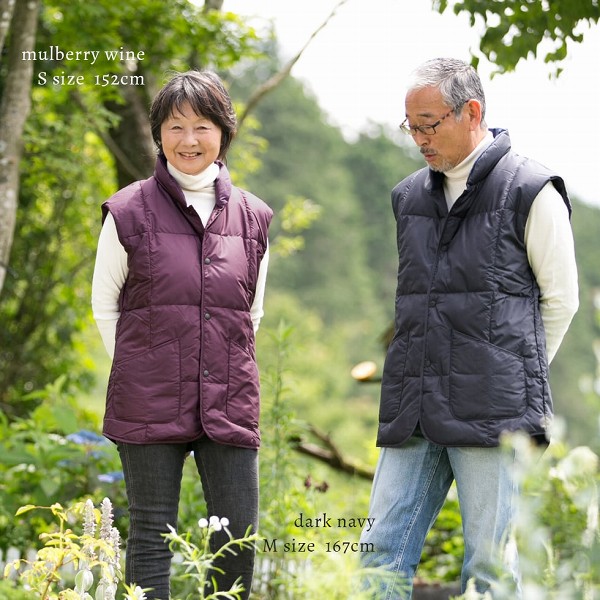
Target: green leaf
(25,509)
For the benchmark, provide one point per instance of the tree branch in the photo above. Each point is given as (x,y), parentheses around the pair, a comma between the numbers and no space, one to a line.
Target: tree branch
(330,455)
(274,81)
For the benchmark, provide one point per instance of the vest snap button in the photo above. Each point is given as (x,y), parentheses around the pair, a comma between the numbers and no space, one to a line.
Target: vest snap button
(207,261)
(207,316)
(205,373)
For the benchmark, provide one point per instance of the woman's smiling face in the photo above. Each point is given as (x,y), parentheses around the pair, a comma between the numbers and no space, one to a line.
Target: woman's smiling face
(190,142)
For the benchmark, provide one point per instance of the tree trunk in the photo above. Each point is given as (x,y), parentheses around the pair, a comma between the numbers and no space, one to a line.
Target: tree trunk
(14,109)
(130,141)
(6,10)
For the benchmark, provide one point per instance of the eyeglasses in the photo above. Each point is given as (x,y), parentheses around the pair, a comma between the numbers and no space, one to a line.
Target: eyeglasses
(424,129)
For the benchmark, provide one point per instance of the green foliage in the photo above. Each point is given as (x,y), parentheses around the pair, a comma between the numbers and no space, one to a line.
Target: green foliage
(43,463)
(319,387)
(561,501)
(177,34)
(377,163)
(94,557)
(297,215)
(281,495)
(574,369)
(98,548)
(45,300)
(330,273)
(245,155)
(67,171)
(197,559)
(318,562)
(11,589)
(515,30)
(557,532)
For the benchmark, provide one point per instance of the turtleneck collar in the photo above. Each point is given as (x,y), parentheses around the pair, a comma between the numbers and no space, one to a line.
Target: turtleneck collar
(195,183)
(461,171)
(455,180)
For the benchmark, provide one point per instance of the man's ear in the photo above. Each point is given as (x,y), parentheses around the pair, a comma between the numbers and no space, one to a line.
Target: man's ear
(474,113)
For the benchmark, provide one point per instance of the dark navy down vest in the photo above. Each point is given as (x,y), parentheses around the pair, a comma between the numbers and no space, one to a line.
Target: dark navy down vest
(468,359)
(184,360)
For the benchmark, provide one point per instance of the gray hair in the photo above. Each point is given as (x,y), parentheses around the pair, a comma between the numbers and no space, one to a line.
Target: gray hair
(457,81)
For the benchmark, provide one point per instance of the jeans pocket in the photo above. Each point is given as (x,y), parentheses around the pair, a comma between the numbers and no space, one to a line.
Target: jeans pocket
(486,381)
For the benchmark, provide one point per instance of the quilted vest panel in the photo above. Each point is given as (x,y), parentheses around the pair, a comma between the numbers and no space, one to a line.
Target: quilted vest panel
(468,359)
(184,361)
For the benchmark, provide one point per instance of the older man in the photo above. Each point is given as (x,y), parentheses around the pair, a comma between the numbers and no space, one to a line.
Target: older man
(487,287)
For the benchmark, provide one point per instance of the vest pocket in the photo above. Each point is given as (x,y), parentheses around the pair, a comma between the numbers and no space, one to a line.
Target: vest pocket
(146,388)
(243,389)
(391,390)
(486,381)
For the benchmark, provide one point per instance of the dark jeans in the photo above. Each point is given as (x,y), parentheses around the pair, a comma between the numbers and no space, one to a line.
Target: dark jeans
(153,474)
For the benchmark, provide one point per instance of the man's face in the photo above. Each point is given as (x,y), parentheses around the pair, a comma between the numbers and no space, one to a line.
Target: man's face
(453,140)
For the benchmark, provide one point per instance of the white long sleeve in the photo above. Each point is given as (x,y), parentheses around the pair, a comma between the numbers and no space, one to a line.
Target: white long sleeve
(551,254)
(111,269)
(110,273)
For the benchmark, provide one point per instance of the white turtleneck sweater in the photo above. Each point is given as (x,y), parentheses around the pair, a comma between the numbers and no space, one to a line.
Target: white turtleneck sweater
(550,249)
(111,270)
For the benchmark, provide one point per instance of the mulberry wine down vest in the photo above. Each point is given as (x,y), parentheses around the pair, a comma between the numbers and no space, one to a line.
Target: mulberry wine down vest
(184,362)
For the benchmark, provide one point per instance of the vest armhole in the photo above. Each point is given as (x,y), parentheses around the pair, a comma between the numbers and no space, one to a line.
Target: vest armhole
(249,213)
(398,202)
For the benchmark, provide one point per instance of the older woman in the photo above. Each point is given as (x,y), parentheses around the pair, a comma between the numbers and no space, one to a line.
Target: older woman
(177,295)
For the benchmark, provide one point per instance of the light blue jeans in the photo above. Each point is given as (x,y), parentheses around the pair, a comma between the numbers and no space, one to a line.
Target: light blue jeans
(409,489)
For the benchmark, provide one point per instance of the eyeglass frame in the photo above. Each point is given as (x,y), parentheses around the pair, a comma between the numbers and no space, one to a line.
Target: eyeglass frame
(414,129)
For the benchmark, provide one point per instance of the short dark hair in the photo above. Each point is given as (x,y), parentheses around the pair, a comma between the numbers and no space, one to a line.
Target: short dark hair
(207,96)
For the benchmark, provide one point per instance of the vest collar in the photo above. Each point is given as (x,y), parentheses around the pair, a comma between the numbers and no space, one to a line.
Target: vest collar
(168,182)
(483,165)
(490,156)
(222,186)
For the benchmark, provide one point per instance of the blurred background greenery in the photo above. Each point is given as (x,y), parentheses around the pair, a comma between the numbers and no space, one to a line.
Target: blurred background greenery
(331,284)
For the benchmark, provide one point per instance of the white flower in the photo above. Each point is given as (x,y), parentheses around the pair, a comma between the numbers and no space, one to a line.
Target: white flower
(101,591)
(577,469)
(106,519)
(89,518)
(138,594)
(591,531)
(83,581)
(214,523)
